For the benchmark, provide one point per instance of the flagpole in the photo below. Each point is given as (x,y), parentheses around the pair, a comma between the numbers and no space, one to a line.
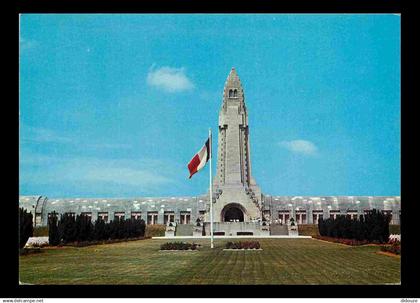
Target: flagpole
(211,194)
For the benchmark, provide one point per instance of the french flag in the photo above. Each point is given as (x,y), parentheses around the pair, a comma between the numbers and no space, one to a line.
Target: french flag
(200,159)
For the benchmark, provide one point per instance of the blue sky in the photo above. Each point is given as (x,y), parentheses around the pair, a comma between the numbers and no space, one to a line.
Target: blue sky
(116,105)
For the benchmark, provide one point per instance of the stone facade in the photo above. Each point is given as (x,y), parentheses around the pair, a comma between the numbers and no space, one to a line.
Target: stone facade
(274,207)
(236,195)
(234,185)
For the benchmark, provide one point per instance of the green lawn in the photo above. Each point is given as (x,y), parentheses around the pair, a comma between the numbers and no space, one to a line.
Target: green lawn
(282,261)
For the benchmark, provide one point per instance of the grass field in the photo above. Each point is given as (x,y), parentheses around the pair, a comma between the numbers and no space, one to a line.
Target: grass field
(282,261)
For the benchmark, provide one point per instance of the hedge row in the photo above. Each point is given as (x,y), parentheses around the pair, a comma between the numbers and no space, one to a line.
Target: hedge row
(155,230)
(373,227)
(71,229)
(25,227)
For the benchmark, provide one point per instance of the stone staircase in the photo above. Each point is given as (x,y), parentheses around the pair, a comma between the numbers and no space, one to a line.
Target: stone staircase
(184,230)
(233,228)
(254,199)
(279,230)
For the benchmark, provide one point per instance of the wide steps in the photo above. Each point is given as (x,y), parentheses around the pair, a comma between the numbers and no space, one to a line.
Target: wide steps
(184,230)
(279,230)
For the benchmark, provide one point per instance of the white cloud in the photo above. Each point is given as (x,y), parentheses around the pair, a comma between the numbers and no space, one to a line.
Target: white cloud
(25,44)
(169,79)
(42,135)
(109,145)
(45,136)
(127,176)
(300,146)
(145,174)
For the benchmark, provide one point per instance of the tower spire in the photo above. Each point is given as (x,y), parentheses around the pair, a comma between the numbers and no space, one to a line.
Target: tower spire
(233,92)
(233,181)
(233,80)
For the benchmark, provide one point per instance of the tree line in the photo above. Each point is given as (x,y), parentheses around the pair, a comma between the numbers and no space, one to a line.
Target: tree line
(80,228)
(373,226)
(26,228)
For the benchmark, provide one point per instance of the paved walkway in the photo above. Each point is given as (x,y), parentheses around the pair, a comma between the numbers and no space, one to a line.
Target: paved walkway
(236,237)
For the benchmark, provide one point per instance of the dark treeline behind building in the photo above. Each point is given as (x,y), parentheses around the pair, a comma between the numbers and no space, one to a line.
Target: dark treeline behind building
(373,227)
(80,228)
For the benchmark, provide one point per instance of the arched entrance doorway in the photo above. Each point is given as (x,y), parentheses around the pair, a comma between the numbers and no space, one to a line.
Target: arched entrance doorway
(233,212)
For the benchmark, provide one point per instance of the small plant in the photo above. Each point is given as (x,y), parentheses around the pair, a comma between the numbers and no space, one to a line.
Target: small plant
(179,246)
(243,245)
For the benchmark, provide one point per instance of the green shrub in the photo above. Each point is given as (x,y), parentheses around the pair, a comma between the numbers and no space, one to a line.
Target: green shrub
(84,228)
(26,228)
(54,237)
(67,228)
(373,227)
(100,231)
(155,230)
(72,229)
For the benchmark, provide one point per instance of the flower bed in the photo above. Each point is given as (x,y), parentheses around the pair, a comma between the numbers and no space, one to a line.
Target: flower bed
(352,242)
(243,245)
(394,247)
(179,246)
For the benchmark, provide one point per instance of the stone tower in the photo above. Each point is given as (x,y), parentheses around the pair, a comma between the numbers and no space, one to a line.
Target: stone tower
(236,193)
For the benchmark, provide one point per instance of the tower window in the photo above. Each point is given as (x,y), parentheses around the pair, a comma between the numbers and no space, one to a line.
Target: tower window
(235,93)
(230,93)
